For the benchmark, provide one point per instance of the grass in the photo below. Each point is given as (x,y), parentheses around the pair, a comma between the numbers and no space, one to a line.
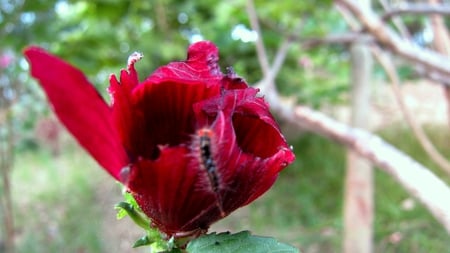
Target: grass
(56,200)
(55,203)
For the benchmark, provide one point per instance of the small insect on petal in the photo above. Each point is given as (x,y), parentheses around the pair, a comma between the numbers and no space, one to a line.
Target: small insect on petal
(208,164)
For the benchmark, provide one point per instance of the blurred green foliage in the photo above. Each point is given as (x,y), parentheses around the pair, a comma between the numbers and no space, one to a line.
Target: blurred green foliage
(97,36)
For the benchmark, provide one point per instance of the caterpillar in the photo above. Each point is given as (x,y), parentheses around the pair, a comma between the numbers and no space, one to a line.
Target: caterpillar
(208,164)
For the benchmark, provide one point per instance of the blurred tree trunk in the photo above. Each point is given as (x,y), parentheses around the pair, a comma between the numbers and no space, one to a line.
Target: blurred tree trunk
(358,198)
(6,157)
(441,42)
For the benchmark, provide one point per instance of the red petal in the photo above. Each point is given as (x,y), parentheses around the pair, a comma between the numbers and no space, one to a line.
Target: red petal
(122,108)
(160,110)
(200,66)
(256,129)
(79,107)
(250,150)
(170,192)
(162,115)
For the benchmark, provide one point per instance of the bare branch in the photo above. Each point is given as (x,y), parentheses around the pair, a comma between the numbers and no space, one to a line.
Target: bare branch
(344,38)
(269,80)
(398,22)
(416,8)
(431,191)
(419,181)
(426,144)
(260,49)
(441,43)
(424,141)
(267,84)
(434,64)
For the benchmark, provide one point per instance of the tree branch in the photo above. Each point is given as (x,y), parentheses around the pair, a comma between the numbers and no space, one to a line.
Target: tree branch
(397,21)
(260,49)
(435,65)
(431,191)
(418,180)
(424,141)
(414,177)
(416,8)
(441,43)
(279,59)
(344,38)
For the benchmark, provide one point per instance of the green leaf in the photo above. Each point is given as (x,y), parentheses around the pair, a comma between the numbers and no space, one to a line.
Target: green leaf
(156,243)
(238,243)
(142,242)
(133,213)
(121,213)
(130,199)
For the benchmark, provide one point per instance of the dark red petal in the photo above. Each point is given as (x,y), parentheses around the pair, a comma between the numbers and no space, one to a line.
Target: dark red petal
(243,176)
(250,150)
(171,193)
(276,163)
(200,66)
(162,106)
(231,81)
(122,107)
(164,115)
(256,130)
(79,107)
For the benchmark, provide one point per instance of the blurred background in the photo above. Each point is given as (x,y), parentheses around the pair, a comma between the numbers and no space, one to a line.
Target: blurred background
(55,198)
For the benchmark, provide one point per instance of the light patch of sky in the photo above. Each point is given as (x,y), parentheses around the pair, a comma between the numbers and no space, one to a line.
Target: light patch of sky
(66,10)
(183,18)
(62,8)
(240,32)
(24,64)
(196,38)
(428,34)
(193,35)
(7,6)
(27,18)
(146,25)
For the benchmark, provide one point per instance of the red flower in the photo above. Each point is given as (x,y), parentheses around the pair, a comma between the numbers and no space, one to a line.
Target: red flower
(190,143)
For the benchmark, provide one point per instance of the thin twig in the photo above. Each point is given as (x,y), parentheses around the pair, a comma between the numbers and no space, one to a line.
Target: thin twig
(260,49)
(269,80)
(397,21)
(343,38)
(416,8)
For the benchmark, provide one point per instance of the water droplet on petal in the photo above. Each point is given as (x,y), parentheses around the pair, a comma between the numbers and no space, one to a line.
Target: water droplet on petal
(125,174)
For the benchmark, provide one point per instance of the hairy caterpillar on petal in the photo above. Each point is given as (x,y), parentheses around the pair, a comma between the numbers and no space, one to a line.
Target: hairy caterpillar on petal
(207,162)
